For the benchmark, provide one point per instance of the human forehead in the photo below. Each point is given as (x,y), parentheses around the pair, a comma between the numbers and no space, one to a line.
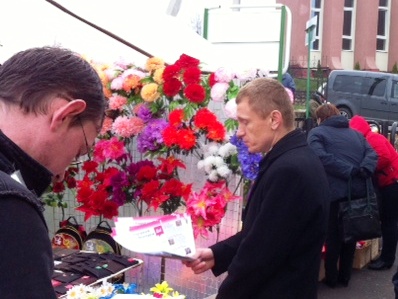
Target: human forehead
(247,111)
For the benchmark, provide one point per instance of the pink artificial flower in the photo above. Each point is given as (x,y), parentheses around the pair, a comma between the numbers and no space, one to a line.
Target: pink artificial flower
(223,75)
(290,93)
(117,102)
(218,91)
(117,83)
(127,127)
(106,125)
(108,149)
(230,109)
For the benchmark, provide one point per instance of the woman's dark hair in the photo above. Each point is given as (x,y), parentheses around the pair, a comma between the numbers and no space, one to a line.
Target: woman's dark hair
(32,78)
(325,111)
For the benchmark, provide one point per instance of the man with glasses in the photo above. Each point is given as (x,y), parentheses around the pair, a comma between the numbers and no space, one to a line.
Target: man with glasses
(51,109)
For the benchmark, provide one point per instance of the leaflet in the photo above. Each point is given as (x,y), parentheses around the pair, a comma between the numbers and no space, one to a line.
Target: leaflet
(168,236)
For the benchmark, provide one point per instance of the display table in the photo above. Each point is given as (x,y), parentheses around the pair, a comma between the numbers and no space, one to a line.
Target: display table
(74,267)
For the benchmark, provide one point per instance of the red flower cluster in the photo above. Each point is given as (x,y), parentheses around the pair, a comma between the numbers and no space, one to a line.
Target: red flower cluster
(103,191)
(182,135)
(184,75)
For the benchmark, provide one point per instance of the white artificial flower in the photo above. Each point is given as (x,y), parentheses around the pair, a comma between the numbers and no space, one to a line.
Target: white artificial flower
(224,171)
(209,163)
(213,175)
(218,161)
(227,150)
(223,75)
(212,148)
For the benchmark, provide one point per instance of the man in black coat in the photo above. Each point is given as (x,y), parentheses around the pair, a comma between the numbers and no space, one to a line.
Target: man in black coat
(51,108)
(278,251)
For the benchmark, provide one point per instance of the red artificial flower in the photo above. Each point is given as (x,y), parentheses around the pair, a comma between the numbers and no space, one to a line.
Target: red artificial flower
(105,177)
(70,182)
(216,131)
(90,166)
(146,173)
(176,117)
(212,79)
(170,72)
(186,61)
(203,117)
(169,164)
(171,87)
(109,209)
(186,139)
(191,75)
(158,199)
(195,93)
(58,187)
(173,187)
(170,136)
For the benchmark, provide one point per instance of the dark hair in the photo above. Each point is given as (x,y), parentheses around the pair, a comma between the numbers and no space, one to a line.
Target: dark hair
(325,111)
(265,95)
(31,78)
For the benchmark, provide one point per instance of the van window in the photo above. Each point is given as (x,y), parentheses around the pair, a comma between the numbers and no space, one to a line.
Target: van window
(394,90)
(351,84)
(374,86)
(362,85)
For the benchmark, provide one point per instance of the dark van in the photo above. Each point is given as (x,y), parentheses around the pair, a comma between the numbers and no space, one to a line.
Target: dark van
(374,95)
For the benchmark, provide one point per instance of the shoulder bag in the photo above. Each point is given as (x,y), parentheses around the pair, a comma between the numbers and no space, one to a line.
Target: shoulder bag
(359,218)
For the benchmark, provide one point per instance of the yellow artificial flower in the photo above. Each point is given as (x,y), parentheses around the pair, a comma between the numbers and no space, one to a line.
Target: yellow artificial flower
(149,92)
(162,288)
(154,63)
(158,75)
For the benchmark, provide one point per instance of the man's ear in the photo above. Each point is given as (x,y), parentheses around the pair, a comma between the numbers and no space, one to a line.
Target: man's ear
(276,119)
(63,114)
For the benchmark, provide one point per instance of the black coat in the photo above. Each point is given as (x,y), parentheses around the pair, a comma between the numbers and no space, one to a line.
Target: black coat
(26,261)
(277,253)
(342,149)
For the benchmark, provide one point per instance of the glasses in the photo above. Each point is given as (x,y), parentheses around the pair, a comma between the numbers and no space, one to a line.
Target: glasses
(79,160)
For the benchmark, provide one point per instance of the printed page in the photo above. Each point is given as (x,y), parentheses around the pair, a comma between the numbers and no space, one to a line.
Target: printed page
(168,236)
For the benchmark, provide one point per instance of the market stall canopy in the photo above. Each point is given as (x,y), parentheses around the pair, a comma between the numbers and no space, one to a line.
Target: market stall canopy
(144,24)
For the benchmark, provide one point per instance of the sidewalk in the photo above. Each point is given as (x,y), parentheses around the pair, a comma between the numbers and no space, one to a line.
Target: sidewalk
(364,284)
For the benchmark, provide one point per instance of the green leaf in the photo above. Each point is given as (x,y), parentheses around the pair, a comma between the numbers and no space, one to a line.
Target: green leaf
(232,92)
(231,124)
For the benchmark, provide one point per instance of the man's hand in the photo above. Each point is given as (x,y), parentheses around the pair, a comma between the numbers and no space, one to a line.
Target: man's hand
(203,261)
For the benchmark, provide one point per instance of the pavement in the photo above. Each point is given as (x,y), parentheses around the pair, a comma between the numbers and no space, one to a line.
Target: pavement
(364,284)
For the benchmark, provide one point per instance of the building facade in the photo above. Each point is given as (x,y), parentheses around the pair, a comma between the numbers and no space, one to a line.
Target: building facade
(350,34)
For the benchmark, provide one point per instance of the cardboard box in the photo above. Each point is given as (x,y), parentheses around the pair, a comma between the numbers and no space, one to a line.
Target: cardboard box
(375,246)
(362,256)
(322,270)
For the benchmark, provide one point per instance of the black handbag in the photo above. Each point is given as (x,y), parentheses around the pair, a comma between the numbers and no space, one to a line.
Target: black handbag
(359,218)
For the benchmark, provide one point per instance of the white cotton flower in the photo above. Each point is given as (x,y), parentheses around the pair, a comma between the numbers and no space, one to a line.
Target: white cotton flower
(224,171)
(201,164)
(218,161)
(213,175)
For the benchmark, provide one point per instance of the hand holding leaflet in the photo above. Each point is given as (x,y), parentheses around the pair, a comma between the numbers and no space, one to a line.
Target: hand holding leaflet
(167,236)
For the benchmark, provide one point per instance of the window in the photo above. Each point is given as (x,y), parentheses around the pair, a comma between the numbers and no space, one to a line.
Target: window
(316,6)
(394,89)
(351,84)
(382,26)
(348,24)
(375,86)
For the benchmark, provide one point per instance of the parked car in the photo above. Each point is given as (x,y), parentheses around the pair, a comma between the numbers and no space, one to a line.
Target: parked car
(374,95)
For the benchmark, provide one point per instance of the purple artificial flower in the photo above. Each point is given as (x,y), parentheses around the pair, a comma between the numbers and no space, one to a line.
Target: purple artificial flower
(133,168)
(151,138)
(249,162)
(144,113)
(119,181)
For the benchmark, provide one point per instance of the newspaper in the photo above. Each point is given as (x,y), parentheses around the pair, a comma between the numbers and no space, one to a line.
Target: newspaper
(168,236)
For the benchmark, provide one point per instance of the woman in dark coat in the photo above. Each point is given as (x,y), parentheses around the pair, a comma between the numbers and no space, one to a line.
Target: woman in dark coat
(344,152)
(387,176)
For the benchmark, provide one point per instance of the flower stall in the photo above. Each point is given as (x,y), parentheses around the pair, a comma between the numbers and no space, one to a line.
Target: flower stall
(168,144)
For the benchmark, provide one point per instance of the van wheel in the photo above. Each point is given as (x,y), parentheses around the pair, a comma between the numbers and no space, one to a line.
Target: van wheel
(345,112)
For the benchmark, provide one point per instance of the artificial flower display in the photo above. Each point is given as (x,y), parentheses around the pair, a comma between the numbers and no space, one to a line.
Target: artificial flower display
(157,117)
